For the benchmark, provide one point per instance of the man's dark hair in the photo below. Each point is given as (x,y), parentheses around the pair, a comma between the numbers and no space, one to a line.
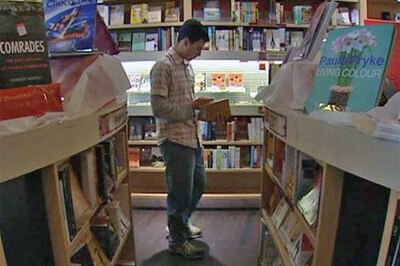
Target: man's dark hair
(193,30)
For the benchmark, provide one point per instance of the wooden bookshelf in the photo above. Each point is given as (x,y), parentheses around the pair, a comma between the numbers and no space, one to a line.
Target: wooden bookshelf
(285,257)
(57,149)
(333,149)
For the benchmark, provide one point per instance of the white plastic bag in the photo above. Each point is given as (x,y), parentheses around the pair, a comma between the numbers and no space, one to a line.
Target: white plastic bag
(290,86)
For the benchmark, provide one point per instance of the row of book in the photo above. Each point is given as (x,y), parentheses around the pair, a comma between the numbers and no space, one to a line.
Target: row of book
(233,157)
(253,39)
(119,14)
(240,128)
(299,176)
(142,128)
(160,39)
(291,232)
(236,39)
(217,158)
(107,231)
(86,180)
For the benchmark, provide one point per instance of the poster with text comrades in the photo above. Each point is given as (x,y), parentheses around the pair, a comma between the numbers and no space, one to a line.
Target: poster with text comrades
(70,24)
(351,69)
(23,45)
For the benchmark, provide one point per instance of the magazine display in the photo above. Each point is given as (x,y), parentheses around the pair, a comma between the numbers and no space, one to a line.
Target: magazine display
(70,25)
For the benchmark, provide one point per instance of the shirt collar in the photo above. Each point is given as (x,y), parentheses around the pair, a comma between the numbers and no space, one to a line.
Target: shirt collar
(176,58)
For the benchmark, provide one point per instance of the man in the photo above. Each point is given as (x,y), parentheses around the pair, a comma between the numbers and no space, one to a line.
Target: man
(174,105)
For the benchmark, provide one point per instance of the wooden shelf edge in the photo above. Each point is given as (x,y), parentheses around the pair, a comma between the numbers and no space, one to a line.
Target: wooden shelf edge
(121,177)
(307,229)
(144,25)
(277,239)
(121,245)
(79,238)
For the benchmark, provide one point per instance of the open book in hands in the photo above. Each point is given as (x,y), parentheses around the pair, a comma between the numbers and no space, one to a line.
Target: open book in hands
(215,110)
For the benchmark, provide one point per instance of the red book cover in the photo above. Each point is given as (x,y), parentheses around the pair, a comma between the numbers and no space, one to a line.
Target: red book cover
(30,100)
(393,72)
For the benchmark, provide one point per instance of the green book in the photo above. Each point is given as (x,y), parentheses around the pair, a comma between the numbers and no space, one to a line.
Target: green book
(351,70)
(138,41)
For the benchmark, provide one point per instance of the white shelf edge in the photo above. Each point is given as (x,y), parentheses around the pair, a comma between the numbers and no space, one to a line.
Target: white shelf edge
(43,146)
(345,148)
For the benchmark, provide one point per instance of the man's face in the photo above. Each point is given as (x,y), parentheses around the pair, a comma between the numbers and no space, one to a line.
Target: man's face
(193,50)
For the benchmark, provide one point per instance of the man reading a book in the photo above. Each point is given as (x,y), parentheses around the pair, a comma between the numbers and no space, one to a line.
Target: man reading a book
(173,103)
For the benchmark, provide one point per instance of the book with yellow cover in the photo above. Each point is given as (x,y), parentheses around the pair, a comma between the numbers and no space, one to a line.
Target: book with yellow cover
(139,13)
(213,110)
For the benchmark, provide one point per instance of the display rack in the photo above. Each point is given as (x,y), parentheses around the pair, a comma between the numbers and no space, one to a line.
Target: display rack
(45,150)
(346,156)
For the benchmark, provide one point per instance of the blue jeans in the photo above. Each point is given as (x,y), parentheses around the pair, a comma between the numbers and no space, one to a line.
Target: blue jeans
(186,180)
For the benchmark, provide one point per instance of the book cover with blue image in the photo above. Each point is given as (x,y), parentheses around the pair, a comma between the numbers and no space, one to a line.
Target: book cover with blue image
(351,70)
(70,24)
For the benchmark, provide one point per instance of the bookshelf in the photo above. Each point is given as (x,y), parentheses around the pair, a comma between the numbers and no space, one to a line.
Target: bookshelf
(309,145)
(66,174)
(246,25)
(220,179)
(243,46)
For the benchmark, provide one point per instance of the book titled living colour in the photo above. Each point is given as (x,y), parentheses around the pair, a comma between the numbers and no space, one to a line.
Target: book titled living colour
(351,69)
(70,24)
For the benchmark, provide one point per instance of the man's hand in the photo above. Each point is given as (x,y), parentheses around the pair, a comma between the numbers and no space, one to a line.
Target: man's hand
(201,101)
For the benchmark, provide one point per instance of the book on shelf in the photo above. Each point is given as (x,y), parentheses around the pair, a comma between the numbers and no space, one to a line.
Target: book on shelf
(64,179)
(350,73)
(269,153)
(134,156)
(139,13)
(117,15)
(290,232)
(24,57)
(70,26)
(124,41)
(305,251)
(212,11)
(309,203)
(154,14)
(279,156)
(172,12)
(288,168)
(104,12)
(215,110)
(105,181)
(308,172)
(151,42)
(343,16)
(88,178)
(118,219)
(138,41)
(80,204)
(280,212)
(105,234)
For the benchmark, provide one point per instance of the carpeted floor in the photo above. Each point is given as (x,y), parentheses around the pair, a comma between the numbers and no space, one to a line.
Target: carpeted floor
(230,234)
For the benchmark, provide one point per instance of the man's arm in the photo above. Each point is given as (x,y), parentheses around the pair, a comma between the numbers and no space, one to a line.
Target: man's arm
(164,108)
